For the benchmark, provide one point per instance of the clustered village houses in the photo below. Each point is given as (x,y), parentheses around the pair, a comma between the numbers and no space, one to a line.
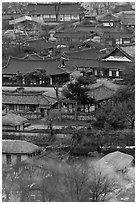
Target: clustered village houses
(102,46)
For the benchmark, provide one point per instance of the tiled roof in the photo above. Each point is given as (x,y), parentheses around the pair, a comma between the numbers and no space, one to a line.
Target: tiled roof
(106,83)
(13,120)
(85,28)
(118,51)
(124,7)
(18,146)
(130,49)
(90,53)
(101,93)
(33,57)
(94,63)
(64,8)
(107,17)
(127,17)
(25,18)
(24,98)
(40,44)
(24,66)
(71,35)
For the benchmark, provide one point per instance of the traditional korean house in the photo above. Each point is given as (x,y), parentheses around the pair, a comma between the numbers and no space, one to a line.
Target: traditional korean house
(55,12)
(32,105)
(127,18)
(52,68)
(123,6)
(14,151)
(71,37)
(41,45)
(115,62)
(27,23)
(103,91)
(110,65)
(108,20)
(14,122)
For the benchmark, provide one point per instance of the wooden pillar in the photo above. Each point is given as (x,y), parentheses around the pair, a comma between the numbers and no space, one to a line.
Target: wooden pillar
(51,81)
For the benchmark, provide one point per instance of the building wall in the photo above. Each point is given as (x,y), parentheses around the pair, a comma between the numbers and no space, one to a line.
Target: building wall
(13,158)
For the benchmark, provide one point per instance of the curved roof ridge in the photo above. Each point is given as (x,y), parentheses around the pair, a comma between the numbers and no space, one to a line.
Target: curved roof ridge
(121,50)
(81,50)
(27,60)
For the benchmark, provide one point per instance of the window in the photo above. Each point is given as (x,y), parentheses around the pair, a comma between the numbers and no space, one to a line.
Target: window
(18,158)
(32,108)
(11,107)
(21,107)
(8,159)
(110,73)
(67,17)
(117,73)
(95,72)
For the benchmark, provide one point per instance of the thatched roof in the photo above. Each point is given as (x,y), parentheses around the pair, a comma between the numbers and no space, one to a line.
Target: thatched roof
(18,146)
(117,159)
(13,120)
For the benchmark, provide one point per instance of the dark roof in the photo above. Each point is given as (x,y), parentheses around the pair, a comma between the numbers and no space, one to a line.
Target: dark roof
(24,98)
(107,17)
(71,35)
(129,49)
(18,146)
(94,63)
(118,51)
(85,28)
(90,53)
(49,8)
(33,57)
(123,7)
(101,93)
(127,17)
(40,44)
(118,34)
(24,66)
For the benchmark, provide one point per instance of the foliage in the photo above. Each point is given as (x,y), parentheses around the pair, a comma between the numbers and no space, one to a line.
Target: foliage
(47,179)
(129,75)
(77,90)
(98,8)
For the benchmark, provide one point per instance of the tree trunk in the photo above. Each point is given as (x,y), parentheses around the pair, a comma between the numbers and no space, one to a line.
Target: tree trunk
(59,103)
(76,107)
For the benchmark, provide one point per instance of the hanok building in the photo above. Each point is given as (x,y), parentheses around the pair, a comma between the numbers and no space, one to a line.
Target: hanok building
(123,6)
(27,23)
(14,151)
(110,65)
(108,20)
(41,45)
(14,122)
(71,37)
(31,105)
(52,67)
(55,12)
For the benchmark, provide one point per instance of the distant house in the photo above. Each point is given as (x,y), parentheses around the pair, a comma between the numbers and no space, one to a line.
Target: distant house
(122,6)
(127,18)
(103,91)
(14,151)
(41,44)
(27,23)
(71,37)
(31,105)
(52,66)
(55,12)
(108,20)
(13,121)
(110,65)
